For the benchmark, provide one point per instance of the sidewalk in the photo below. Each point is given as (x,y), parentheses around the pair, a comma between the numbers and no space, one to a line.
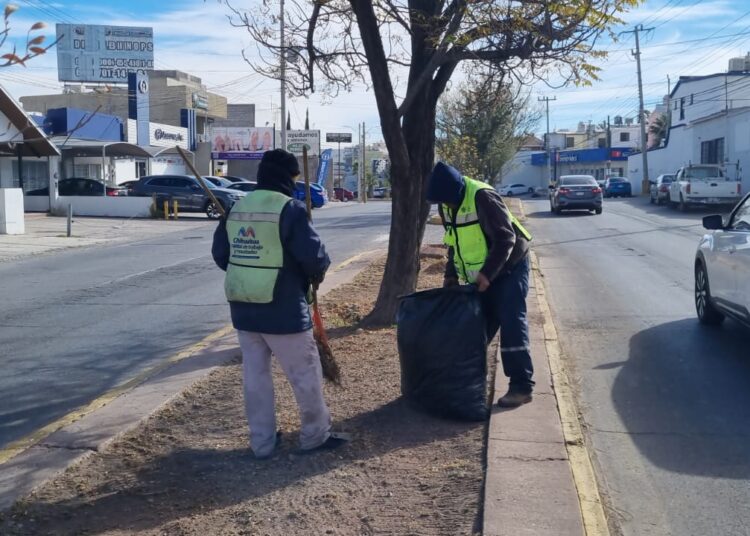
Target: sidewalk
(46,234)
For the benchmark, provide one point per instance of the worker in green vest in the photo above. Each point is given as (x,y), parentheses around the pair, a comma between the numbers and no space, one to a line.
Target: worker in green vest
(488,247)
(272,255)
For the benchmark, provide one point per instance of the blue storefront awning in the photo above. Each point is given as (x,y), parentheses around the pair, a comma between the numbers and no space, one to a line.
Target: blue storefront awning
(584,155)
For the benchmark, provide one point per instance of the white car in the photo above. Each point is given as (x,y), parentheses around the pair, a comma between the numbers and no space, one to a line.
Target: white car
(703,184)
(722,267)
(509,190)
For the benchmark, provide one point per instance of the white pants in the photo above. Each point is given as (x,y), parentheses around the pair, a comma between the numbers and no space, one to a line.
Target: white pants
(298,356)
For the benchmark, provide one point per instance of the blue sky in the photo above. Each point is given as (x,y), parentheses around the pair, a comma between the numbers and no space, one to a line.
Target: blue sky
(691,37)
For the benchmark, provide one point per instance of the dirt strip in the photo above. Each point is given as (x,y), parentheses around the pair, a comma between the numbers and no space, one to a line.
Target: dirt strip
(187,470)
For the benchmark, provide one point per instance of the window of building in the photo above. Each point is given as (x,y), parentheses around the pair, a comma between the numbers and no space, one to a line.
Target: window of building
(682,107)
(570,142)
(676,103)
(35,175)
(624,136)
(712,151)
(601,143)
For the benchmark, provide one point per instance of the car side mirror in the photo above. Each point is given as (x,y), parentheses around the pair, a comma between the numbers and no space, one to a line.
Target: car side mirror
(714,222)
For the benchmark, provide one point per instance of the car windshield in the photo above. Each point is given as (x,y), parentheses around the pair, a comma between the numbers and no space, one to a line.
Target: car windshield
(667,178)
(702,173)
(577,181)
(208,183)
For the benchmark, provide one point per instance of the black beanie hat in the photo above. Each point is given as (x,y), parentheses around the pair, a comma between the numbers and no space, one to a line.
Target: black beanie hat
(277,171)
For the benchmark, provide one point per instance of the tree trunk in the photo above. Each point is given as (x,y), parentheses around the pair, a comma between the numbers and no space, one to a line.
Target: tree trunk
(409,213)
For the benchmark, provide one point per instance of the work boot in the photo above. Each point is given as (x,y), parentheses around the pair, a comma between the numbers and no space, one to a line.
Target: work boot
(334,441)
(513,399)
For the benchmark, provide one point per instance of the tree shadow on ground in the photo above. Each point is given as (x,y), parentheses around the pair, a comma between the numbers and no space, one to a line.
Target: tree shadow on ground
(684,398)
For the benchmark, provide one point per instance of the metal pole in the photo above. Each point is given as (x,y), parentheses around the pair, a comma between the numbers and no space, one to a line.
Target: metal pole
(339,168)
(19,154)
(70,219)
(546,138)
(283,77)
(104,162)
(363,194)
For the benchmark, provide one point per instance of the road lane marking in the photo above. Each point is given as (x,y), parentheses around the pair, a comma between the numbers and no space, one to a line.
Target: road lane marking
(18,446)
(584,476)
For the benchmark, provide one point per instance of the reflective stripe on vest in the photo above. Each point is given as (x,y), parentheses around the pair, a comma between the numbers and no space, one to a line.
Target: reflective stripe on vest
(464,234)
(256,253)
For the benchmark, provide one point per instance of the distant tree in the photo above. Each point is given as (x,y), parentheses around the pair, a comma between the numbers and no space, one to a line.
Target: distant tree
(34,45)
(408,51)
(481,124)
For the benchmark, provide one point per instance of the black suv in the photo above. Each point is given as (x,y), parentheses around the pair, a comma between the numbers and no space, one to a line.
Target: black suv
(187,192)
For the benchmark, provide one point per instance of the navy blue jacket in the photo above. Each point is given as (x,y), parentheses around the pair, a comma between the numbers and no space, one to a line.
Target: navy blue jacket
(305,261)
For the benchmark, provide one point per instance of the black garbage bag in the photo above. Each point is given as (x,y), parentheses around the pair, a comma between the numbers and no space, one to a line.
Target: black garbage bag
(442,346)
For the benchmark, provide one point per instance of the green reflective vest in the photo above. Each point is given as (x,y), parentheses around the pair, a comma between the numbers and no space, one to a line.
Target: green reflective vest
(464,234)
(256,253)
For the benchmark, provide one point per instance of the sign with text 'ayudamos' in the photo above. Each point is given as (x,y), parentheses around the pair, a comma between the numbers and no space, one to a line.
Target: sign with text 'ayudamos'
(93,53)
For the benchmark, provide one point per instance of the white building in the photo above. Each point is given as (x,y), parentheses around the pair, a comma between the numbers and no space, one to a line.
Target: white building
(710,125)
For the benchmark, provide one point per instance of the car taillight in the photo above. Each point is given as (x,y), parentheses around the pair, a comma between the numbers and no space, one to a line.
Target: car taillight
(112,193)
(564,191)
(596,190)
(688,188)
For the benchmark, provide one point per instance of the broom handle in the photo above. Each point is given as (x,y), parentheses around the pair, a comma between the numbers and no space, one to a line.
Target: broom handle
(308,205)
(208,191)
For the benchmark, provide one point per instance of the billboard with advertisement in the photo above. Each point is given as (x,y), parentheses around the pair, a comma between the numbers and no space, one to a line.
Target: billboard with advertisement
(95,53)
(240,143)
(338,137)
(297,139)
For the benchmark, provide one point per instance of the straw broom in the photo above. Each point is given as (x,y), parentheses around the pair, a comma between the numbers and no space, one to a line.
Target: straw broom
(331,370)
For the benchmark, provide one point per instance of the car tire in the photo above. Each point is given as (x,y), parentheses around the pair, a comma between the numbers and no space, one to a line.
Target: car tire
(598,211)
(509,194)
(682,206)
(212,212)
(707,313)
(530,191)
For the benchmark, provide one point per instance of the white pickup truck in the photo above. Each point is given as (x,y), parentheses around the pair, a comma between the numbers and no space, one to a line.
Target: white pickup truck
(703,184)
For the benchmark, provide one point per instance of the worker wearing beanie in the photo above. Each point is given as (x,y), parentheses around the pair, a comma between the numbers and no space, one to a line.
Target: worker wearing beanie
(272,255)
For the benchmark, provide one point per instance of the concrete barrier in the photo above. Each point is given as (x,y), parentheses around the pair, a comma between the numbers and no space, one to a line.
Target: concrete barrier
(36,203)
(113,207)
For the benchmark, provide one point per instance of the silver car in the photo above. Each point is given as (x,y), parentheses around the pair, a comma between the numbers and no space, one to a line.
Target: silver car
(722,267)
(660,188)
(575,192)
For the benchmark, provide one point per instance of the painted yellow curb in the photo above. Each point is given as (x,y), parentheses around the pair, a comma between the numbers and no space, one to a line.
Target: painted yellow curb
(592,506)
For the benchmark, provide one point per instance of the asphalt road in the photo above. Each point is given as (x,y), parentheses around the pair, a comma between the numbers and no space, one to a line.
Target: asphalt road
(75,324)
(667,400)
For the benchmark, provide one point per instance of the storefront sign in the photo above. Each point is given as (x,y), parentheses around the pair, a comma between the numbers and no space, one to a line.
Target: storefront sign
(239,143)
(297,139)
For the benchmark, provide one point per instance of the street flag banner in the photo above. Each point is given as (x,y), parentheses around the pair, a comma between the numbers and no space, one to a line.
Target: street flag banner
(325,162)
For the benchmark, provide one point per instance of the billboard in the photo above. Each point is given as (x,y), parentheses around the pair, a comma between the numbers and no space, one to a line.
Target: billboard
(338,137)
(240,143)
(297,139)
(93,53)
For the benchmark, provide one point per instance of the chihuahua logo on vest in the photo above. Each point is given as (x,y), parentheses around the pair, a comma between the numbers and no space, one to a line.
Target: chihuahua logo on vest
(248,232)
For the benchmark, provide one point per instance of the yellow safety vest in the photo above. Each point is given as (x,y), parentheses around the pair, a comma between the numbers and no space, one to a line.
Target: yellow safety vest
(256,253)
(464,234)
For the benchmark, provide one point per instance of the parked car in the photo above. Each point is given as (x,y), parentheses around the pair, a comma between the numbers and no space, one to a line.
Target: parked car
(234,178)
(601,183)
(188,193)
(380,193)
(80,186)
(575,192)
(510,190)
(722,267)
(703,184)
(243,186)
(318,196)
(617,187)
(660,188)
(221,182)
(128,185)
(342,194)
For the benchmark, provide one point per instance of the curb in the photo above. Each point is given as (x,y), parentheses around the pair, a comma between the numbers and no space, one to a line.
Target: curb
(40,456)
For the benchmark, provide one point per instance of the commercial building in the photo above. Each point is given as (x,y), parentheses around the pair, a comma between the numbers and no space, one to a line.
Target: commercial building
(710,122)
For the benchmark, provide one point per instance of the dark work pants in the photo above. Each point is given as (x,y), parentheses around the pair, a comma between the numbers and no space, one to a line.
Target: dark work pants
(504,306)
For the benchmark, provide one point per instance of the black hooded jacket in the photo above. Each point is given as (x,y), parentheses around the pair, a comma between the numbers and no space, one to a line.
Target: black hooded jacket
(506,246)
(305,257)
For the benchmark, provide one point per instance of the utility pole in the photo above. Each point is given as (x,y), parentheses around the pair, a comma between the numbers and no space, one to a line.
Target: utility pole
(546,137)
(609,150)
(645,184)
(283,76)
(363,175)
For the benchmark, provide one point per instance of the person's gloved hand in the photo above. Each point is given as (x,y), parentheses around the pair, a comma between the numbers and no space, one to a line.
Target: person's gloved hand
(450,282)
(482,282)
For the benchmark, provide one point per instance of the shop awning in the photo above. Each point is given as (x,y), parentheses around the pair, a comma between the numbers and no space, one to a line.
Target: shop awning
(30,139)
(77,147)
